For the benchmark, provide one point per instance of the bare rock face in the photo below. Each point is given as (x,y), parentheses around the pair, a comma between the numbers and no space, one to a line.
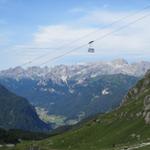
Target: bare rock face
(147,118)
(147,103)
(147,109)
(141,92)
(147,98)
(148,73)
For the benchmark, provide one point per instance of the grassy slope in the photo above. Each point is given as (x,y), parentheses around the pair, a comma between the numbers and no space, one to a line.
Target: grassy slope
(118,128)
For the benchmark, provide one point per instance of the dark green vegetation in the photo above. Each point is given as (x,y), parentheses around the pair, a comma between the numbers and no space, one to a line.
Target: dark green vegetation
(15,136)
(124,127)
(74,99)
(17,113)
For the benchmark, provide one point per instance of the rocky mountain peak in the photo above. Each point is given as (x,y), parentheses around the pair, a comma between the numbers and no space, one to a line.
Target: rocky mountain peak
(120,62)
(78,72)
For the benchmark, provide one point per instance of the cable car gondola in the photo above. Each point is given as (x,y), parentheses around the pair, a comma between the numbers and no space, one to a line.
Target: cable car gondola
(91,49)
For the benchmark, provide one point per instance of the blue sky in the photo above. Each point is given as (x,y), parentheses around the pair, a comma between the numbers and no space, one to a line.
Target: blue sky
(53,23)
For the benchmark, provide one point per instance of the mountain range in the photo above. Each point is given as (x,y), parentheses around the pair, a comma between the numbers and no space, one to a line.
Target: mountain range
(66,94)
(62,73)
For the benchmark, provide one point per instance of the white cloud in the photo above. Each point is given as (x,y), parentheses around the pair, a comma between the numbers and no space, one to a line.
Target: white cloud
(134,37)
(59,35)
(133,40)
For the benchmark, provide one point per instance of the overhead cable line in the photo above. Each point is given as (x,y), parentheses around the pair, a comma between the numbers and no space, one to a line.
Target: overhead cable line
(85,36)
(100,38)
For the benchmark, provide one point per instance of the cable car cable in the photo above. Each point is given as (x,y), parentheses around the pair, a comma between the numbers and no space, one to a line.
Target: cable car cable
(85,36)
(100,38)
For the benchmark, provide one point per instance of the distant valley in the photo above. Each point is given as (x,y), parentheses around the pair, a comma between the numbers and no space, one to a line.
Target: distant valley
(67,94)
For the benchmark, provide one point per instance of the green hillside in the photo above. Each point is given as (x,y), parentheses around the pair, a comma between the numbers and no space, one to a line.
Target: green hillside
(14,136)
(128,126)
(17,113)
